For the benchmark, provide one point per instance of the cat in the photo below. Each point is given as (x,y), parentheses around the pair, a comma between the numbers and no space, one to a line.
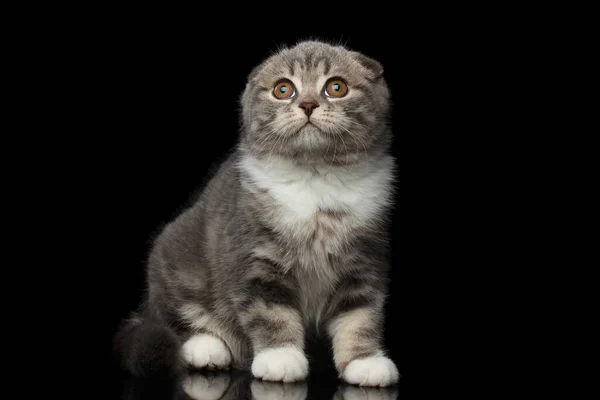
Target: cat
(289,233)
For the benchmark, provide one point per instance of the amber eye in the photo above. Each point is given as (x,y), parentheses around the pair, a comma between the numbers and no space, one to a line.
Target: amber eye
(336,87)
(284,90)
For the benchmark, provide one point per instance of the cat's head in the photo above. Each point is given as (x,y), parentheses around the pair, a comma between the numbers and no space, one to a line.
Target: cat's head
(316,103)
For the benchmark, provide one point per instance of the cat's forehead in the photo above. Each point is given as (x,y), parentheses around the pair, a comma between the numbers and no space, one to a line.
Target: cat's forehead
(310,56)
(309,60)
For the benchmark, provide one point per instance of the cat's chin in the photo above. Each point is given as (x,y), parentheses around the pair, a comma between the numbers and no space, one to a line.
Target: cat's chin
(310,138)
(310,129)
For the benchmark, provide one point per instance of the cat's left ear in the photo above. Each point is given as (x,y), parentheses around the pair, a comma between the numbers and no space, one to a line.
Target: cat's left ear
(370,64)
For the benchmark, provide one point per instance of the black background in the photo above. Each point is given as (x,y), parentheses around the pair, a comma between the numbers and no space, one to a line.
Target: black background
(157,106)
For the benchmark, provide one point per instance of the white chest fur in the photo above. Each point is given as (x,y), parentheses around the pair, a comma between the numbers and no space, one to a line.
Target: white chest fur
(306,199)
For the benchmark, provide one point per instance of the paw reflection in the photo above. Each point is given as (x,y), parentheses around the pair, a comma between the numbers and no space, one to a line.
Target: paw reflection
(203,386)
(349,392)
(262,390)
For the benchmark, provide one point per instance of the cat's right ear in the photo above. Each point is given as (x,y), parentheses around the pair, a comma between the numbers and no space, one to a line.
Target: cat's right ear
(254,73)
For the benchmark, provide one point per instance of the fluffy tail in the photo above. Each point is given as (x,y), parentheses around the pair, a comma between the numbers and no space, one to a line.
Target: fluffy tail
(147,348)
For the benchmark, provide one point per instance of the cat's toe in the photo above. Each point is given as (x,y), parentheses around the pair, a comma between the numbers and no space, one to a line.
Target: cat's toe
(284,364)
(206,351)
(201,387)
(371,371)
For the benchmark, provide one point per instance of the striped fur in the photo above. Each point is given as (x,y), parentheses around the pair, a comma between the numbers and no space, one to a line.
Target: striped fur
(291,231)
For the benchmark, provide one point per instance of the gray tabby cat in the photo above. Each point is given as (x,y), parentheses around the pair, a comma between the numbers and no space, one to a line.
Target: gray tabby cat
(289,234)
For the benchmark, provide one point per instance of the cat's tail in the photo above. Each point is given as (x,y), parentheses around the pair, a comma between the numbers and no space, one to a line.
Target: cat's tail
(147,348)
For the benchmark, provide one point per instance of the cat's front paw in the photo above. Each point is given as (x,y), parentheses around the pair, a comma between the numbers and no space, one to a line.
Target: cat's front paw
(371,371)
(283,364)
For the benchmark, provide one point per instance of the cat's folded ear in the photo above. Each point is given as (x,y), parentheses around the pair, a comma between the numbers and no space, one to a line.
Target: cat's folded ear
(370,64)
(255,72)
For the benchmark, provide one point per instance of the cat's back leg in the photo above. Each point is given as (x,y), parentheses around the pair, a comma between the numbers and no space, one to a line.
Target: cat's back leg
(181,279)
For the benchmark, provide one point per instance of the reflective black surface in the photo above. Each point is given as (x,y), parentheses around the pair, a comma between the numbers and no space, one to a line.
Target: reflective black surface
(240,385)
(322,383)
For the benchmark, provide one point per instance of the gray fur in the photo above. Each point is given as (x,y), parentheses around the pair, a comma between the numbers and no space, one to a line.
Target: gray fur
(236,265)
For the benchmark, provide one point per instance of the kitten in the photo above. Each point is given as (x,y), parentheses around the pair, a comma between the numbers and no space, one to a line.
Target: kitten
(290,233)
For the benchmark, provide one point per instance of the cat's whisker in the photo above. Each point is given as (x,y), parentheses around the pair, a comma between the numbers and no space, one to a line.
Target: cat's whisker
(271,146)
(256,143)
(345,147)
(353,122)
(333,158)
(356,137)
(275,145)
(262,142)
(266,144)
(326,153)
(277,130)
(265,140)
(281,136)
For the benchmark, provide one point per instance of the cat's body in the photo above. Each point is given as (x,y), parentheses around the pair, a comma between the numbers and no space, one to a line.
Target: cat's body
(289,234)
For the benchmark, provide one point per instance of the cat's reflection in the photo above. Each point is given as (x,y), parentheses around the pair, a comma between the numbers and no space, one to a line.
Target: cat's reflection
(278,391)
(220,385)
(350,392)
(201,386)
(225,386)
(240,385)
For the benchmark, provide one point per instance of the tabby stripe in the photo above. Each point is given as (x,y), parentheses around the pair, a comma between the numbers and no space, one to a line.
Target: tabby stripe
(276,326)
(308,59)
(270,325)
(327,66)
(272,292)
(353,301)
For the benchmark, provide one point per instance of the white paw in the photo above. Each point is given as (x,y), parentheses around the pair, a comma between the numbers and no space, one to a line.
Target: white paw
(349,392)
(200,387)
(278,391)
(371,371)
(206,351)
(282,364)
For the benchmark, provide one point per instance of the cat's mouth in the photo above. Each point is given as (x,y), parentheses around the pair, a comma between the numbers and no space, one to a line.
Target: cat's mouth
(310,126)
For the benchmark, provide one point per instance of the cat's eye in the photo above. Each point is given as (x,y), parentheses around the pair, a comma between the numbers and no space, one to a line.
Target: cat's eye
(336,87)
(284,90)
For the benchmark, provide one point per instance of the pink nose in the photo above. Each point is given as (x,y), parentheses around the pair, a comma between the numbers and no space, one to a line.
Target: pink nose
(308,106)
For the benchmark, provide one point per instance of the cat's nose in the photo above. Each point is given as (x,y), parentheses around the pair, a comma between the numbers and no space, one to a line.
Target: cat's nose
(308,106)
